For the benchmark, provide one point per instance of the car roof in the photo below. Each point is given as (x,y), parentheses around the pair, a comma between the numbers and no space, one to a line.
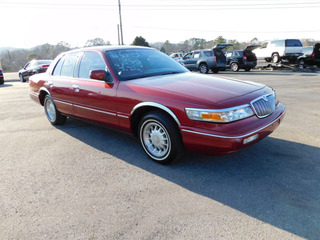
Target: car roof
(108,48)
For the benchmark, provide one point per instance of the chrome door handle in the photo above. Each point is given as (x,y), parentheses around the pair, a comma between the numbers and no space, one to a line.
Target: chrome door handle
(76,88)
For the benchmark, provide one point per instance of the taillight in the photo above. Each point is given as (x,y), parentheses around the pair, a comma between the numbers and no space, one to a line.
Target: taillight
(214,58)
(244,57)
(313,55)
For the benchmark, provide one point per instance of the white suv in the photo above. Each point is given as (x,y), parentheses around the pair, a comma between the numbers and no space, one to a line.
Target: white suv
(275,51)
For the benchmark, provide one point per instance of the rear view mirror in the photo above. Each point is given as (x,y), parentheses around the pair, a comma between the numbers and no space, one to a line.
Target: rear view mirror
(101,75)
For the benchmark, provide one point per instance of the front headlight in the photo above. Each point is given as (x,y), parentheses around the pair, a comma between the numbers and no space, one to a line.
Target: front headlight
(220,115)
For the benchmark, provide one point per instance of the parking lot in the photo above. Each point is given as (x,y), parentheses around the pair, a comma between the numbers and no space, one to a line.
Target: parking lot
(80,181)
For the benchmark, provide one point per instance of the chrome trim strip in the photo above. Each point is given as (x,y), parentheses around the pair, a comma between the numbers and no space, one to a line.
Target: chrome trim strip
(157,105)
(219,136)
(123,116)
(95,110)
(70,104)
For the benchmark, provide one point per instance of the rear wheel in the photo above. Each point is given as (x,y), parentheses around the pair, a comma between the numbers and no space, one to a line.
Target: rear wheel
(247,69)
(21,78)
(275,58)
(215,70)
(53,115)
(234,67)
(203,68)
(301,63)
(160,138)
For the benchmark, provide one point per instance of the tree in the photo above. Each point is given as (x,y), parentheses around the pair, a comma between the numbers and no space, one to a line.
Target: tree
(96,42)
(140,41)
(235,45)
(197,43)
(32,56)
(219,40)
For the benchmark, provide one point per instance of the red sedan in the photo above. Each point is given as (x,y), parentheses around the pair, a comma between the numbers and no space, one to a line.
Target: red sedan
(146,93)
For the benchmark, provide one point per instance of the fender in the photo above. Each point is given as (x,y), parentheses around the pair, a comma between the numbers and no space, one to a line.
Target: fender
(156,105)
(41,96)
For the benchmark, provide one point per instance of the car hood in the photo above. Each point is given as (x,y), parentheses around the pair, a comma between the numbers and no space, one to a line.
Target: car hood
(191,87)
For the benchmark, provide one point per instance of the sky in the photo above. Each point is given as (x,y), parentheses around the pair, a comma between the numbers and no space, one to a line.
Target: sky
(28,23)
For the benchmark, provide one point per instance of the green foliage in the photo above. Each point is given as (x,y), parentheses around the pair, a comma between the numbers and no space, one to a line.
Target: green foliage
(32,56)
(96,42)
(219,40)
(140,41)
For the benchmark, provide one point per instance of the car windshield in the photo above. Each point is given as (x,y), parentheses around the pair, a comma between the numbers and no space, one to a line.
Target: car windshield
(139,63)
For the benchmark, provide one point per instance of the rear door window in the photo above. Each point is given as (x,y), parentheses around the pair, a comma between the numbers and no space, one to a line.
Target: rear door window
(57,68)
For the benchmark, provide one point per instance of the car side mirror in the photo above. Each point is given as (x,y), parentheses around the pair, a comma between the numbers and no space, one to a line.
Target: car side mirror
(101,75)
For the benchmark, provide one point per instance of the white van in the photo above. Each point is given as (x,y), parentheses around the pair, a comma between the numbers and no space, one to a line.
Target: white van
(275,51)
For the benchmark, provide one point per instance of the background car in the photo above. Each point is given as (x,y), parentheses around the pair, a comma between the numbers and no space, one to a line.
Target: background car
(242,59)
(277,50)
(310,56)
(1,77)
(144,92)
(33,67)
(206,59)
(177,56)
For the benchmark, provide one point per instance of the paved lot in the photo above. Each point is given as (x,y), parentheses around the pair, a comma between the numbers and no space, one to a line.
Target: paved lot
(80,181)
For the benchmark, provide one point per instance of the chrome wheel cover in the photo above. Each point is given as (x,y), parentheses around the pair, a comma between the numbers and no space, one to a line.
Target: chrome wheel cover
(301,64)
(203,68)
(275,58)
(50,110)
(234,67)
(155,140)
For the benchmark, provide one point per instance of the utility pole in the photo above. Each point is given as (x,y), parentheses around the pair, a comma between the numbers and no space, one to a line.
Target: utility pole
(120,22)
(118,34)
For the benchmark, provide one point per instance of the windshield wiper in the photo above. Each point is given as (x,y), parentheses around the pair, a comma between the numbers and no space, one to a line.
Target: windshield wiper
(167,73)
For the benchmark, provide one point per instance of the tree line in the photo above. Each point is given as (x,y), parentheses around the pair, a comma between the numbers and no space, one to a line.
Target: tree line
(13,60)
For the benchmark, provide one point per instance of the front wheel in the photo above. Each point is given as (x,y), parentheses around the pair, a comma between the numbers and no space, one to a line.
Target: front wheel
(53,115)
(160,138)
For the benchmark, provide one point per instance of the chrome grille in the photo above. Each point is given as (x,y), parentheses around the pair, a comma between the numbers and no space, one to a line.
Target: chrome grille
(264,106)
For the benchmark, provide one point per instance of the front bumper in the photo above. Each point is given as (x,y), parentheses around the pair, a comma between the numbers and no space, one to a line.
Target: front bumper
(223,142)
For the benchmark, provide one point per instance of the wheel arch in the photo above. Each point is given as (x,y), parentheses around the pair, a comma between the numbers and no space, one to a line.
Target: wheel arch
(201,62)
(42,93)
(143,108)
